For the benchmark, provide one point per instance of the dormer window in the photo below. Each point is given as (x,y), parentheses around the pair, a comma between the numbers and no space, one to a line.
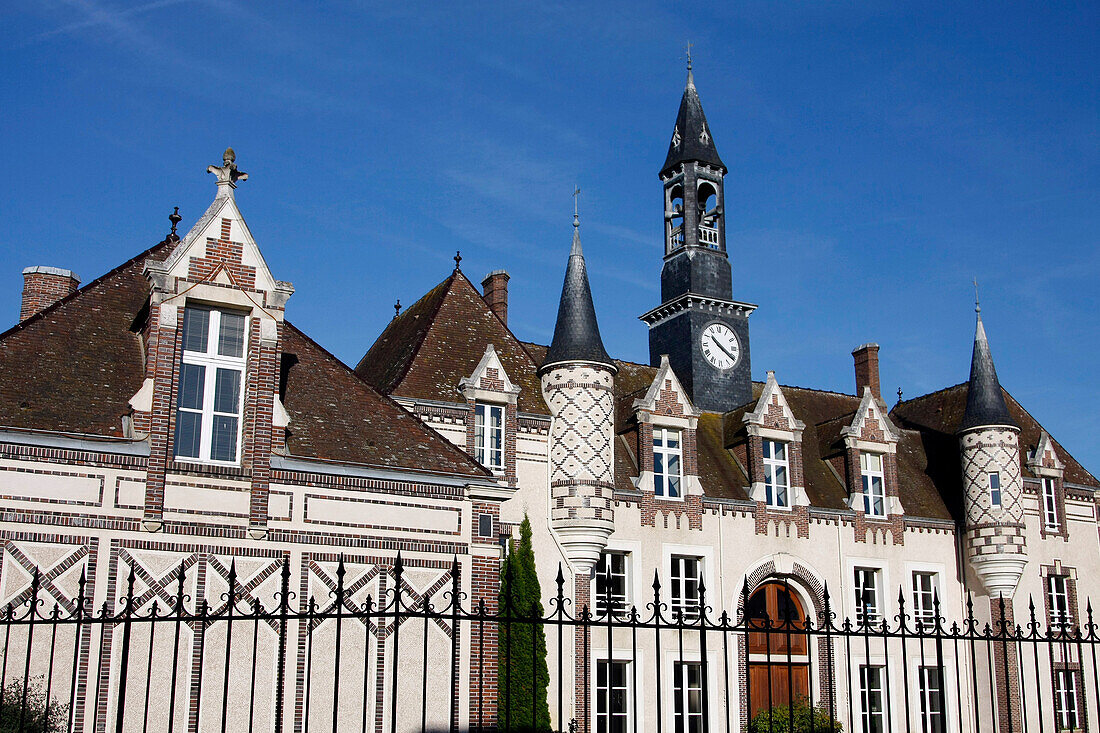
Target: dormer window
(667,463)
(1050,505)
(777,481)
(874,487)
(995,489)
(489,436)
(210,394)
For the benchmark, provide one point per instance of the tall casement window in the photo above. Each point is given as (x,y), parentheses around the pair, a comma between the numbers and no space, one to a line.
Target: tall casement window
(1050,505)
(777,482)
(611,583)
(685,585)
(612,697)
(995,489)
(1066,712)
(931,700)
(924,596)
(688,692)
(1058,602)
(489,436)
(868,607)
(874,487)
(872,697)
(210,394)
(667,463)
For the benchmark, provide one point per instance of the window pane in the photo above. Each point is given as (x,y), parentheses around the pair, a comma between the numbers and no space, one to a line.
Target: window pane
(192,382)
(496,415)
(673,486)
(674,465)
(223,445)
(187,434)
(781,475)
(780,451)
(227,391)
(673,438)
(231,337)
(196,326)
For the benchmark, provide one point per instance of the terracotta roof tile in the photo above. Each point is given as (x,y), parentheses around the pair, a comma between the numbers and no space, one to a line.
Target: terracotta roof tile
(424,352)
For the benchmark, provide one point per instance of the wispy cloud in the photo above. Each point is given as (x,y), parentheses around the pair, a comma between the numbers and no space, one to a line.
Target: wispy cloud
(96,15)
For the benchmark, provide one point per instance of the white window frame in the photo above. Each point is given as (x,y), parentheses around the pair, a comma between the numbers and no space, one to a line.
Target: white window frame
(1066,705)
(868,474)
(484,453)
(603,712)
(996,497)
(1058,602)
(682,711)
(211,361)
(1050,503)
(777,495)
(932,720)
(873,612)
(684,589)
(620,596)
(663,479)
(872,681)
(924,598)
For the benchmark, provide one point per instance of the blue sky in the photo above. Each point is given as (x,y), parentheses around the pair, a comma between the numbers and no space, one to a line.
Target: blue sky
(880,158)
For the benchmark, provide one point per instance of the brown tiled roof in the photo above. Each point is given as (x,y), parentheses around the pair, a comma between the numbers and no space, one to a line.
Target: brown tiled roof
(74,366)
(424,352)
(937,416)
(335,415)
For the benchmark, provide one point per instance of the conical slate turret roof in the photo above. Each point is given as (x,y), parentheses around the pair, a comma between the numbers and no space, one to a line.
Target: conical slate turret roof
(576,334)
(691,138)
(985,402)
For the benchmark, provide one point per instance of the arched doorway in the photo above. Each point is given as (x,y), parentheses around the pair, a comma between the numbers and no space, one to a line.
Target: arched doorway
(779,661)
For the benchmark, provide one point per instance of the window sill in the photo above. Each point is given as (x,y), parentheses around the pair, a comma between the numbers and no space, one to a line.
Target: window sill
(198,468)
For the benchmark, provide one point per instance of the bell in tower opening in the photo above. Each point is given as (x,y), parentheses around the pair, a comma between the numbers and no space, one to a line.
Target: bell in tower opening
(704,332)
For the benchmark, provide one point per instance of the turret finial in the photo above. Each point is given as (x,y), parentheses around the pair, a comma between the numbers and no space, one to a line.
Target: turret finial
(397,308)
(977,300)
(899,395)
(458,260)
(576,215)
(689,45)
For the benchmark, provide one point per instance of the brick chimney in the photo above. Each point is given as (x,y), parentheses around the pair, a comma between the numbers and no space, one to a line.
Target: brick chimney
(866,359)
(44,286)
(495,286)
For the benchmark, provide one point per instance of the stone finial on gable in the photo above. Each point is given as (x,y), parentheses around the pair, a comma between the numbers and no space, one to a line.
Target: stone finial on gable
(666,396)
(772,410)
(1044,459)
(489,381)
(871,422)
(228,174)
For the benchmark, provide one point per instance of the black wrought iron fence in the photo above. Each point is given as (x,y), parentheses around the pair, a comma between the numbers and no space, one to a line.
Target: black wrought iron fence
(405,662)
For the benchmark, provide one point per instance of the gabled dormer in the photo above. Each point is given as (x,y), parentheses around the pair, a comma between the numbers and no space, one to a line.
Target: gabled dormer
(491,400)
(1044,464)
(777,482)
(870,443)
(667,453)
(210,401)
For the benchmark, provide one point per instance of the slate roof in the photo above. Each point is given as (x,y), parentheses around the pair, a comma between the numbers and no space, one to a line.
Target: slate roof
(576,332)
(73,368)
(424,352)
(936,417)
(688,139)
(985,405)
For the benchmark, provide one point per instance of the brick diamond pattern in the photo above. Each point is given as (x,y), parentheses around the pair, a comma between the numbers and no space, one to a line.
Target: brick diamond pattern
(990,531)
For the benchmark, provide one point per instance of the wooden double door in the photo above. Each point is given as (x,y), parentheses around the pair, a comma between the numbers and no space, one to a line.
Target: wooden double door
(779,660)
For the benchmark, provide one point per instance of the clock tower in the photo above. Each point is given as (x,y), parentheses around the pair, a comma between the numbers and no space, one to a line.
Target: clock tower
(704,331)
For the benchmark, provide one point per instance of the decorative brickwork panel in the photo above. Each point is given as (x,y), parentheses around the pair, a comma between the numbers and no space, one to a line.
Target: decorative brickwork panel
(223,255)
(1005,657)
(483,644)
(984,452)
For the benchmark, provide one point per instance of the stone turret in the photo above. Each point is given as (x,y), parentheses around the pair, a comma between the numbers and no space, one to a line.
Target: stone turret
(989,444)
(577,381)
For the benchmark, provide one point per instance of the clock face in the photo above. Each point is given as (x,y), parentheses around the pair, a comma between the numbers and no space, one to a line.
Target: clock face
(720,346)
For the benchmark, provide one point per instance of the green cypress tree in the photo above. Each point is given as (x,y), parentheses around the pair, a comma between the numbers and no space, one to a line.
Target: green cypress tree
(523,677)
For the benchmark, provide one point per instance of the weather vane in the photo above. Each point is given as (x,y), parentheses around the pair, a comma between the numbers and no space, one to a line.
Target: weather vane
(576,215)
(689,45)
(977,300)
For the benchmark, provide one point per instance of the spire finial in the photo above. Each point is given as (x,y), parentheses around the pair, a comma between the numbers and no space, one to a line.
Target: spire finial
(977,300)
(576,215)
(899,395)
(458,260)
(175,218)
(689,45)
(397,308)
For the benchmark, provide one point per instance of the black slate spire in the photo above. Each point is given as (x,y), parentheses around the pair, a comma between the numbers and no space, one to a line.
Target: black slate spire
(985,403)
(576,335)
(691,138)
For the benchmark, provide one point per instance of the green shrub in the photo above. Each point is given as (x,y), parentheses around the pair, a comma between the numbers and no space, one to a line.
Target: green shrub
(36,718)
(805,719)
